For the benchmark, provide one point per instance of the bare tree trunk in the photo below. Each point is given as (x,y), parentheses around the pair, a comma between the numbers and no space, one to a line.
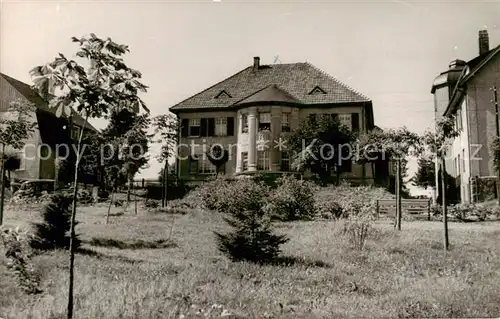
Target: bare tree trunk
(129,187)
(165,181)
(110,203)
(135,201)
(398,194)
(72,226)
(446,242)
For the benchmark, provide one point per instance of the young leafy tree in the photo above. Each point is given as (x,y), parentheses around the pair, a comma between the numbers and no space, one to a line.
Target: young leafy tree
(218,156)
(394,144)
(426,173)
(15,128)
(127,133)
(135,150)
(107,84)
(437,142)
(322,145)
(167,129)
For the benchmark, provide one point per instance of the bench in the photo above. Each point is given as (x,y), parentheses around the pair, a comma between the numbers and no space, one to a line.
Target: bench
(408,206)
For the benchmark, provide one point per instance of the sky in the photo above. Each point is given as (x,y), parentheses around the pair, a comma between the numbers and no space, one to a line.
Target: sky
(388,50)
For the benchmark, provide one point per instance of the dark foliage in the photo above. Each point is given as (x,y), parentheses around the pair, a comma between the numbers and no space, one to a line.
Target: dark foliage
(53,232)
(252,237)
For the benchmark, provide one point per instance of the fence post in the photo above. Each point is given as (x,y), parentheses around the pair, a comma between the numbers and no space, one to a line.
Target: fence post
(429,210)
(378,211)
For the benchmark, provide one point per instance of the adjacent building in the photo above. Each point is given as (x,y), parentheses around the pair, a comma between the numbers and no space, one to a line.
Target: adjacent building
(38,155)
(466,90)
(248,112)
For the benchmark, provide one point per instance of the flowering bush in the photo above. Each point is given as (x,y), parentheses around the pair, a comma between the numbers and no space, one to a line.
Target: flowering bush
(292,200)
(18,252)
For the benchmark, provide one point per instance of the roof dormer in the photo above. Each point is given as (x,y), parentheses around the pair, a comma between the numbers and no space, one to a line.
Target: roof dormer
(223,94)
(317,90)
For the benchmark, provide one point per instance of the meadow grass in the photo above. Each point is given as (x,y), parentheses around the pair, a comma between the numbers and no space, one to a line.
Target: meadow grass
(402,274)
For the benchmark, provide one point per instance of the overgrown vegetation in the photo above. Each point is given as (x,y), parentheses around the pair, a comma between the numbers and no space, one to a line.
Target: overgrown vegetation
(291,200)
(17,251)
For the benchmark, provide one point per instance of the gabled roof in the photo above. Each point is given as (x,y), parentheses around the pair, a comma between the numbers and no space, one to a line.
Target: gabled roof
(26,91)
(473,67)
(271,93)
(296,79)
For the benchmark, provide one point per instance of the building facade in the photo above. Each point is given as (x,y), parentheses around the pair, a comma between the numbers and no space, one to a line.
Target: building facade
(37,158)
(248,113)
(466,91)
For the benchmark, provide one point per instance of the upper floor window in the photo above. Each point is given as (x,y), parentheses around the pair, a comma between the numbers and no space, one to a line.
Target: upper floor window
(221,126)
(75,132)
(345,119)
(264,121)
(458,119)
(244,123)
(285,122)
(194,127)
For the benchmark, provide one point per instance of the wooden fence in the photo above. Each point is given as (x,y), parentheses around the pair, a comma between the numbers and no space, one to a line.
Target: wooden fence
(409,206)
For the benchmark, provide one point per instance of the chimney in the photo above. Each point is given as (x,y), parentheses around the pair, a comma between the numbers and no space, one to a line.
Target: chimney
(484,42)
(256,63)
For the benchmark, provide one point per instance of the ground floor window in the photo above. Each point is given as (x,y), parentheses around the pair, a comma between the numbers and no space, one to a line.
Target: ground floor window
(244,161)
(205,166)
(263,161)
(285,161)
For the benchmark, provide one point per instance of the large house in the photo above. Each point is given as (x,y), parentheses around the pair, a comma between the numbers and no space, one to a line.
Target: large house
(466,90)
(38,155)
(248,112)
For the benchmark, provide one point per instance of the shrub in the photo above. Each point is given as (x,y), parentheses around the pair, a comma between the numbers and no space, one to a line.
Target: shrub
(292,200)
(151,203)
(468,211)
(213,193)
(17,251)
(358,226)
(436,210)
(330,209)
(252,237)
(53,232)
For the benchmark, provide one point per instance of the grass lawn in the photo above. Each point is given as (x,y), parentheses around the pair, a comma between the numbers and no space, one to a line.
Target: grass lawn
(123,275)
